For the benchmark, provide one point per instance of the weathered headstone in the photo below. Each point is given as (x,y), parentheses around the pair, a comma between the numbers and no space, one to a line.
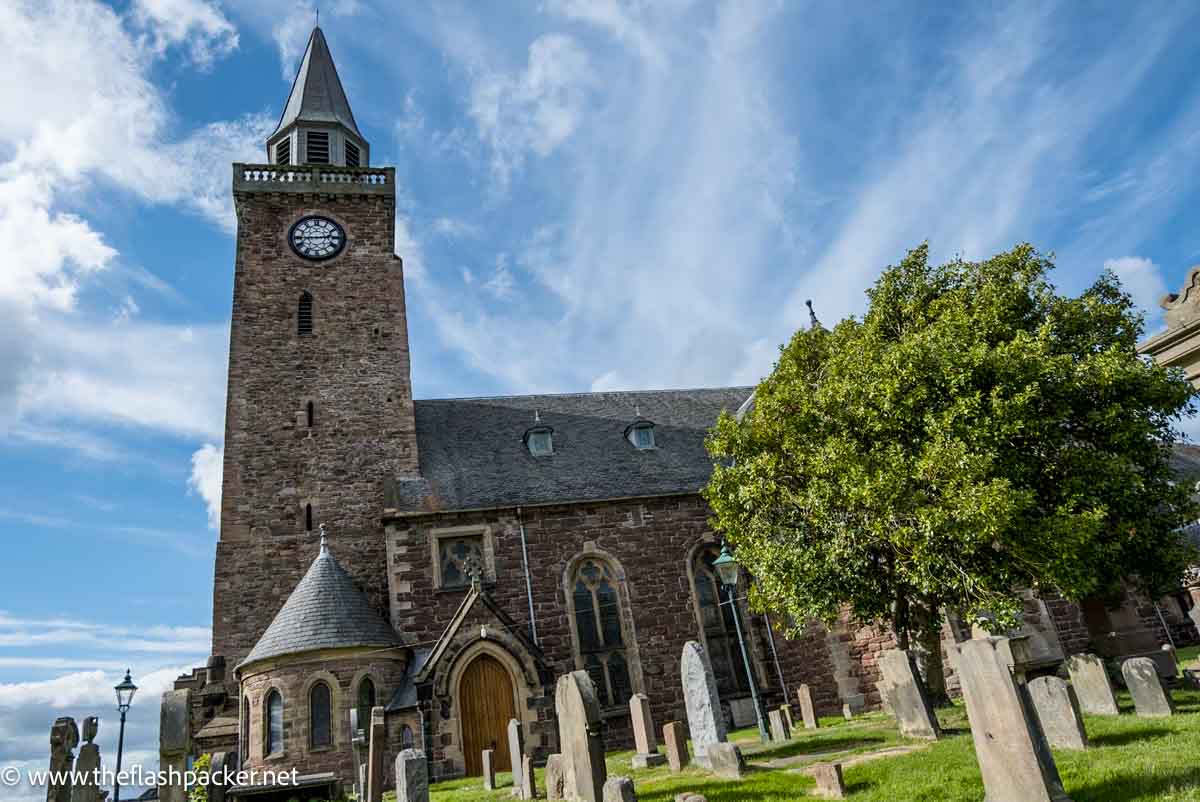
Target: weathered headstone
(645,742)
(786,710)
(1149,696)
(829,780)
(376,744)
(807,712)
(1058,712)
(579,737)
(705,722)
(619,789)
(554,777)
(174,743)
(847,712)
(489,770)
(1092,685)
(726,760)
(1013,756)
(412,775)
(907,695)
(675,744)
(223,764)
(358,742)
(779,727)
(85,790)
(528,783)
(64,737)
(516,748)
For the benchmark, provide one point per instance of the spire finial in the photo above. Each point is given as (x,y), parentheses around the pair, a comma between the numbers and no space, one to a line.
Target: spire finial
(324,541)
(318,10)
(537,416)
(812,316)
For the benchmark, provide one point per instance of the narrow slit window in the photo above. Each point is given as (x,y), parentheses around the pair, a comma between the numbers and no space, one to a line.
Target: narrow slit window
(318,147)
(352,154)
(308,413)
(283,151)
(308,518)
(304,315)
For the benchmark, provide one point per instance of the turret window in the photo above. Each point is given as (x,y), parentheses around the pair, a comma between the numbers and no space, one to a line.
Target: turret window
(320,721)
(304,315)
(274,724)
(352,154)
(318,147)
(540,441)
(283,151)
(641,434)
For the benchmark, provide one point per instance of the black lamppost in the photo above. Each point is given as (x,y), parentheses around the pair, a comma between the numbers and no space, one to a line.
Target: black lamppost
(729,571)
(125,692)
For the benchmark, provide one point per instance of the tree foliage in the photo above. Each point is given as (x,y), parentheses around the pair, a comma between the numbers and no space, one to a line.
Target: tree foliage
(975,433)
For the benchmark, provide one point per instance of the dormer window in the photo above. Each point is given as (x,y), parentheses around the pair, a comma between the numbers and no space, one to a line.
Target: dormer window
(540,441)
(641,434)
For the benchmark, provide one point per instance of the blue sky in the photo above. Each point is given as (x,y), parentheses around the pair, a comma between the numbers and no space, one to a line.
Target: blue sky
(592,194)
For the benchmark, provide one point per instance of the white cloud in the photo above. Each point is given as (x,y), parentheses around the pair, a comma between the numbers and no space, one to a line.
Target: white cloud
(199,25)
(1142,279)
(207,464)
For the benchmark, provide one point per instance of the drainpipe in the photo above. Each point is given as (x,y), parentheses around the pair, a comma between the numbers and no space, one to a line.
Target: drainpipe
(528,580)
(775,656)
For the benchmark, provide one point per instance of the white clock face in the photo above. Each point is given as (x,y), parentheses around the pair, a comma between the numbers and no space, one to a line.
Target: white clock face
(317,238)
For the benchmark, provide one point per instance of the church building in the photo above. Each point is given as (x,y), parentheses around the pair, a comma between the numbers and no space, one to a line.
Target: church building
(448,559)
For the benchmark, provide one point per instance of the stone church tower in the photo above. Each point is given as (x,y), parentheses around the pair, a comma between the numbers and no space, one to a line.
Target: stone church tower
(320,407)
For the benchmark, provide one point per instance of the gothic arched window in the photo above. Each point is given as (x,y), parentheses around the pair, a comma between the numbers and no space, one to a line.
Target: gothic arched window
(596,611)
(245,744)
(304,314)
(366,702)
(319,716)
(406,737)
(273,714)
(720,632)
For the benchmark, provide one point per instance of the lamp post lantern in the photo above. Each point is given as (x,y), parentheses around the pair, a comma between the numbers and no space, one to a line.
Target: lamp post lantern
(729,571)
(125,692)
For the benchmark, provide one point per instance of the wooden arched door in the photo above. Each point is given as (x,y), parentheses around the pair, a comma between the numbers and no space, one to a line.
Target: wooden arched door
(485,703)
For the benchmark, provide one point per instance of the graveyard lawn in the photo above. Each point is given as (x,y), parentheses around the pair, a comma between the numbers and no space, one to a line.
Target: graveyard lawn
(1131,759)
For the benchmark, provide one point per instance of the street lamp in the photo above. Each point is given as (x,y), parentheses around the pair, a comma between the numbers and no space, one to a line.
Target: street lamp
(729,571)
(125,692)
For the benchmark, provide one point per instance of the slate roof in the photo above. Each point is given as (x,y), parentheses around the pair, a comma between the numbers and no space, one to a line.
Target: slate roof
(325,611)
(472,454)
(317,94)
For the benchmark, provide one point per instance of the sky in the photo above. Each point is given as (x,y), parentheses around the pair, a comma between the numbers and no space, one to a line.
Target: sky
(592,194)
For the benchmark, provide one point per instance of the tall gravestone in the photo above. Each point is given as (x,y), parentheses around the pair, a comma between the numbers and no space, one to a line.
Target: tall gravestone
(579,738)
(1058,712)
(64,737)
(528,784)
(675,743)
(807,712)
(376,745)
(516,748)
(645,742)
(1013,756)
(703,703)
(174,743)
(88,764)
(412,775)
(489,770)
(1092,685)
(1149,696)
(906,694)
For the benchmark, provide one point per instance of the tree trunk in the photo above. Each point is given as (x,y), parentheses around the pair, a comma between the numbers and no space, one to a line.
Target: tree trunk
(929,653)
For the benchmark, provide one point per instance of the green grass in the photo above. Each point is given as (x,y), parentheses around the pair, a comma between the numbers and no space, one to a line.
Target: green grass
(1187,654)
(1131,760)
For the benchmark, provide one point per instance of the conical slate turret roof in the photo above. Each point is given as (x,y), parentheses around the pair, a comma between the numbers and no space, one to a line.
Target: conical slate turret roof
(317,94)
(325,611)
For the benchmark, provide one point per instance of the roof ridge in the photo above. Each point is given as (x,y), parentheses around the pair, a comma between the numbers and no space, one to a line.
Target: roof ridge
(581,394)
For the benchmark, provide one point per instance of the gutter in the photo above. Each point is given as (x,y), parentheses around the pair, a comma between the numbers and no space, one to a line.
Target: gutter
(528,580)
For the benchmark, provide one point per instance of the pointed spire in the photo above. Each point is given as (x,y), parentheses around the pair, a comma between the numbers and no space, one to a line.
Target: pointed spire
(317,94)
(812,316)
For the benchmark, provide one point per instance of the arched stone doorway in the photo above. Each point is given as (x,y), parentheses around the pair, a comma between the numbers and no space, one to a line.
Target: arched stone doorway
(485,701)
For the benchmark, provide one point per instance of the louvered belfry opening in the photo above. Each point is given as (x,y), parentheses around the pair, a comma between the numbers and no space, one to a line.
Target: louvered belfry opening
(352,154)
(304,315)
(283,151)
(317,147)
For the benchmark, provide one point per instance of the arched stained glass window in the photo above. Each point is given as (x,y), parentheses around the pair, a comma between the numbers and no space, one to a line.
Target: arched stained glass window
(320,729)
(274,723)
(720,633)
(366,701)
(596,608)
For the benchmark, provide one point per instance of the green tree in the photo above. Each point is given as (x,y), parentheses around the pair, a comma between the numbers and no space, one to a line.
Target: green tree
(975,433)
(199,791)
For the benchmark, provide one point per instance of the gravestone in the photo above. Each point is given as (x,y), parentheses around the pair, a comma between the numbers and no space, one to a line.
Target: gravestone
(358,742)
(1149,696)
(741,714)
(619,789)
(847,712)
(489,770)
(786,710)
(829,780)
(174,742)
(906,694)
(675,744)
(64,737)
(412,774)
(579,737)
(1058,712)
(726,760)
(1092,685)
(528,784)
(644,740)
(705,722)
(376,744)
(554,777)
(516,748)
(1013,756)
(779,727)
(86,766)
(222,762)
(807,712)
